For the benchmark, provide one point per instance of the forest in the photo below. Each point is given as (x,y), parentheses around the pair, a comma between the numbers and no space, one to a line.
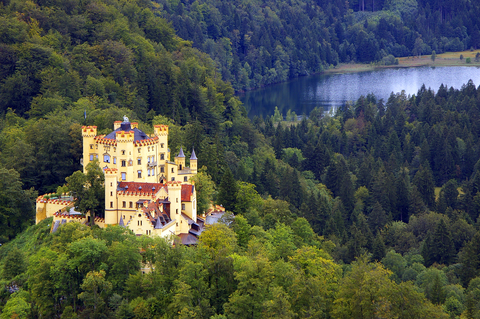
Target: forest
(257,43)
(371,210)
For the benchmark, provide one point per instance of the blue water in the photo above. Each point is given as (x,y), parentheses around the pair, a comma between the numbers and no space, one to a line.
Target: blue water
(332,90)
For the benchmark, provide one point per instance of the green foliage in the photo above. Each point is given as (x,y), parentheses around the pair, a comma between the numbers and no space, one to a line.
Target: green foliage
(16,204)
(88,190)
(227,193)
(17,306)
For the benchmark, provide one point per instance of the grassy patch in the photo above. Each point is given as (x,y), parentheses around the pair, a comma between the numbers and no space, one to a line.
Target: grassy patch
(444,59)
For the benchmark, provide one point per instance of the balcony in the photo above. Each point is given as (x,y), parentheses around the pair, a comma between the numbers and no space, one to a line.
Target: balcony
(151,164)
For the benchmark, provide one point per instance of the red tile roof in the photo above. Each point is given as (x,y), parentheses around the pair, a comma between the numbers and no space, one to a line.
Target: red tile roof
(146,188)
(187,191)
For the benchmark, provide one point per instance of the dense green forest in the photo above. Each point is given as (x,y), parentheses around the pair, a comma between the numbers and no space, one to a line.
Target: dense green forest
(369,212)
(256,43)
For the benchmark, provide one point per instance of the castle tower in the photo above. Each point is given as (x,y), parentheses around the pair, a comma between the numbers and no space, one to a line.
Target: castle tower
(90,150)
(111,204)
(180,160)
(162,153)
(175,198)
(193,162)
(125,153)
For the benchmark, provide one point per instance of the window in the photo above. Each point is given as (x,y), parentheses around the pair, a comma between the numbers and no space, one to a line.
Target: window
(173,170)
(124,176)
(139,161)
(139,174)
(114,160)
(124,204)
(91,157)
(106,158)
(130,204)
(185,179)
(139,150)
(123,217)
(183,206)
(123,152)
(91,146)
(111,204)
(111,184)
(162,156)
(111,193)
(130,163)
(148,159)
(148,172)
(124,163)
(176,211)
(149,148)
(96,156)
(162,169)
(162,145)
(177,199)
(173,179)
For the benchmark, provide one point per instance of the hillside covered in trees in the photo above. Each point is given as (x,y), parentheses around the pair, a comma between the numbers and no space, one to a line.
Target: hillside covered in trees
(373,209)
(256,43)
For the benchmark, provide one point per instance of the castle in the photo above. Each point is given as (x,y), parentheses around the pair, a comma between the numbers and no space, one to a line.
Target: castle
(144,190)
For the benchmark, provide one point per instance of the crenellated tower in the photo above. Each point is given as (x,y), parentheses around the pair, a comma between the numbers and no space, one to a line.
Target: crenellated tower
(111,202)
(90,148)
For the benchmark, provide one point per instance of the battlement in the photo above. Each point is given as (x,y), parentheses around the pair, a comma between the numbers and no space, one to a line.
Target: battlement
(150,141)
(117,124)
(124,136)
(134,124)
(111,171)
(160,130)
(89,131)
(174,184)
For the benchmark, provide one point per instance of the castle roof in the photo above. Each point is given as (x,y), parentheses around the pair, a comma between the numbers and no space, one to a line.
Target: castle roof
(188,239)
(193,157)
(146,188)
(187,191)
(153,188)
(181,153)
(138,135)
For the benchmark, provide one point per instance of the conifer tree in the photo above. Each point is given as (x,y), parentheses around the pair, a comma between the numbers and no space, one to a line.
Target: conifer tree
(227,194)
(378,249)
(443,246)
(425,184)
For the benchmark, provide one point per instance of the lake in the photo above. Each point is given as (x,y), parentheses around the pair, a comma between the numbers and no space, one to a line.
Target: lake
(332,90)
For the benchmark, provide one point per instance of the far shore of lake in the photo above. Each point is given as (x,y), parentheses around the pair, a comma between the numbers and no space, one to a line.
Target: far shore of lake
(444,59)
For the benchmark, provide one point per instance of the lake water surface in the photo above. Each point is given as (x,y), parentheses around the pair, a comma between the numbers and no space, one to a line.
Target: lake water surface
(332,90)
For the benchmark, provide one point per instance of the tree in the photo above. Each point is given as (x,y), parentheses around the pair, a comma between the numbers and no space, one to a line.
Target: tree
(368,292)
(16,306)
(205,188)
(95,291)
(254,275)
(469,259)
(425,184)
(16,205)
(227,193)
(89,190)
(378,249)
(14,264)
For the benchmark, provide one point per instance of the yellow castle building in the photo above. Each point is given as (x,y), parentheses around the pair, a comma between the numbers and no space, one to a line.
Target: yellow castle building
(144,190)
